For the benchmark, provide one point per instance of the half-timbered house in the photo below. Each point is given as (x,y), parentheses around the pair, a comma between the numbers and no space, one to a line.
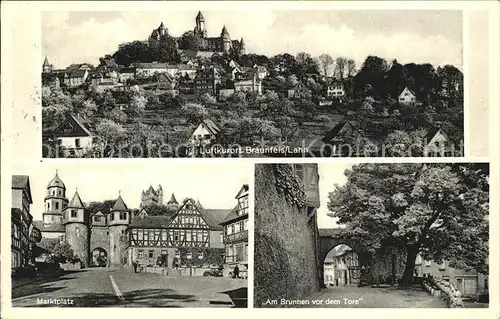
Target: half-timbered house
(186,236)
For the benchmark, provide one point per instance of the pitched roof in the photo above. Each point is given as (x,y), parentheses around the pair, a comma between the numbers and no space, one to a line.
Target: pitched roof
(200,16)
(214,129)
(76,201)
(77,73)
(20,181)
(59,228)
(213,217)
(432,132)
(72,127)
(160,221)
(56,182)
(119,205)
(233,216)
(153,66)
(46,62)
(172,200)
(337,129)
(243,189)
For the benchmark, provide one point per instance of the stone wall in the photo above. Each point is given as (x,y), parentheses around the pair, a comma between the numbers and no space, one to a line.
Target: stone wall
(285,244)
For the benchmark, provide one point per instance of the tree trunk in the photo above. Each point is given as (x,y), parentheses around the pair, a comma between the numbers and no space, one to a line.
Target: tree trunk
(411,255)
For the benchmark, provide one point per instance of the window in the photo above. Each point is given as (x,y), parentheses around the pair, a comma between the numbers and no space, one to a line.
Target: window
(48,206)
(112,216)
(77,142)
(139,253)
(52,218)
(163,252)
(97,218)
(237,227)
(189,255)
(123,216)
(74,213)
(245,224)
(228,230)
(176,235)
(77,231)
(151,254)
(200,255)
(188,235)
(123,231)
(164,235)
(177,254)
(57,205)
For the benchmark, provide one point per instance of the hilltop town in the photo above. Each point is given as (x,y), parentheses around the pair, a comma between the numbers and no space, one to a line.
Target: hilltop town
(178,96)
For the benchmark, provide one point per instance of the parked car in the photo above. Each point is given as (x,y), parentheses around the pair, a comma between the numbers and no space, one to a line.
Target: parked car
(213,273)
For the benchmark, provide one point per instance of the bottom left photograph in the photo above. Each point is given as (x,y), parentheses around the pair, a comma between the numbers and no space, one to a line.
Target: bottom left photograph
(129,235)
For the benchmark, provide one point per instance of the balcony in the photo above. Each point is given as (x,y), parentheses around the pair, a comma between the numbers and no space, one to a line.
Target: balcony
(237,237)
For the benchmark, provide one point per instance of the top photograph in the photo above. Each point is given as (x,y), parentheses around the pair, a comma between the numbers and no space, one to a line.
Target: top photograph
(244,84)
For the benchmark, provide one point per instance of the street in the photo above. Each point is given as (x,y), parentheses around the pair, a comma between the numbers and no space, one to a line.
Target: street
(107,287)
(367,297)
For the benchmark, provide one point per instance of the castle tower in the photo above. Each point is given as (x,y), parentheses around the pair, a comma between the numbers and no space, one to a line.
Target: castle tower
(200,29)
(242,47)
(226,40)
(55,201)
(47,67)
(172,204)
(77,232)
(118,221)
(162,30)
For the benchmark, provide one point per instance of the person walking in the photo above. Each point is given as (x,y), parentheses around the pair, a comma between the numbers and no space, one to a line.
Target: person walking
(236,272)
(135,266)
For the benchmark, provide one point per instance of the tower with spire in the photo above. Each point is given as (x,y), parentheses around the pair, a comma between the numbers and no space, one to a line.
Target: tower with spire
(55,202)
(47,67)
(226,40)
(172,204)
(200,29)
(118,220)
(243,49)
(77,230)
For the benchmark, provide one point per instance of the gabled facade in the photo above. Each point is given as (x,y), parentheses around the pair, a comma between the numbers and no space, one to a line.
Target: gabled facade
(206,81)
(235,236)
(407,97)
(190,229)
(437,144)
(204,135)
(73,137)
(76,77)
(299,91)
(24,234)
(342,139)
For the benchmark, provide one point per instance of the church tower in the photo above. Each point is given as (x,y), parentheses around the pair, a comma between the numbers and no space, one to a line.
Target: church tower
(77,231)
(226,40)
(47,67)
(200,29)
(159,192)
(55,201)
(118,221)
(162,30)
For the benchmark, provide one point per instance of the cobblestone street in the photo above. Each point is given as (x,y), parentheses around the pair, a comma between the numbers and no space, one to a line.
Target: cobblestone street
(105,287)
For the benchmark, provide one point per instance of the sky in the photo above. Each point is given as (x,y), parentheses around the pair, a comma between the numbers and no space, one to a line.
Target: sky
(214,184)
(329,175)
(419,36)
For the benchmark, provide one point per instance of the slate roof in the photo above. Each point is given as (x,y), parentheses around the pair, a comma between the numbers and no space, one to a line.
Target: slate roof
(22,182)
(432,132)
(213,217)
(78,128)
(76,201)
(232,216)
(337,129)
(151,222)
(77,74)
(59,228)
(119,205)
(214,129)
(172,200)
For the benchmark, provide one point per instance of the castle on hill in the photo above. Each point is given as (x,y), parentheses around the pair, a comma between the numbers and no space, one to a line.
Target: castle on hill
(220,44)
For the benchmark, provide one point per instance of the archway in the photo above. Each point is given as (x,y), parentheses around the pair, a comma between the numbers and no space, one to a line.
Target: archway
(99,257)
(341,267)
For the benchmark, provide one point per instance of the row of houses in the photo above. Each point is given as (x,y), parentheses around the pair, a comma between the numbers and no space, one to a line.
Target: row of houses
(185,233)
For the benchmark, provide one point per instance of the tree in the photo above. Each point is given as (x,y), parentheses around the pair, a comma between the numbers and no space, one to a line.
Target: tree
(372,73)
(437,210)
(325,61)
(194,113)
(137,107)
(136,51)
(103,207)
(63,252)
(305,64)
(188,41)
(109,133)
(340,68)
(351,68)
(165,50)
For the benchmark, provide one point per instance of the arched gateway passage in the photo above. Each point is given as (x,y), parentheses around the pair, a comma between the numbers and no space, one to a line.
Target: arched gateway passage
(99,257)
(342,262)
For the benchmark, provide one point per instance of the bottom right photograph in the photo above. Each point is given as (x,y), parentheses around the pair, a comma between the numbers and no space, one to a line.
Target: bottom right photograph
(371,235)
